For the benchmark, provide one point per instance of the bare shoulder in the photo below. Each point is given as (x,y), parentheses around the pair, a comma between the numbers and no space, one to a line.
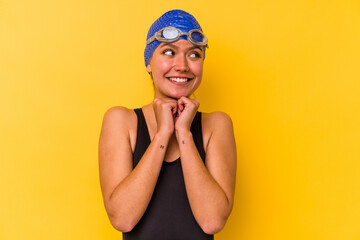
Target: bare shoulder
(118,115)
(215,119)
(216,123)
(120,121)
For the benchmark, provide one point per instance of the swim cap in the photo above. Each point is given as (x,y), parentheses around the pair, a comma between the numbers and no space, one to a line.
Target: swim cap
(175,18)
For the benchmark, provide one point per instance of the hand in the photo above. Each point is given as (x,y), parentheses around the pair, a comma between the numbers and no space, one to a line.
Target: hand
(186,110)
(165,111)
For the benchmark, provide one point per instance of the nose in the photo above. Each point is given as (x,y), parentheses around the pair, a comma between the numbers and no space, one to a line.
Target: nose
(180,63)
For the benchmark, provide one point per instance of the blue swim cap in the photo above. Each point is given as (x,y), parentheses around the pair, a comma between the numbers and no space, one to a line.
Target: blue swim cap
(175,18)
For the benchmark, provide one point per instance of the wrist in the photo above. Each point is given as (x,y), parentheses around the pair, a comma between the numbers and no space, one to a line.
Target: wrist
(164,136)
(183,134)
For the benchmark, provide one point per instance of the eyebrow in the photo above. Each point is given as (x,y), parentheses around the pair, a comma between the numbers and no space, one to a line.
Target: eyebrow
(176,47)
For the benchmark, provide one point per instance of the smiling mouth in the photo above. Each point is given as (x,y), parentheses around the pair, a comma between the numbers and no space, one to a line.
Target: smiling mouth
(179,80)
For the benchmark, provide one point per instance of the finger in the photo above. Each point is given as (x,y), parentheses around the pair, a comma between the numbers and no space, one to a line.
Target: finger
(179,112)
(174,112)
(191,102)
(170,100)
(186,100)
(173,108)
(181,104)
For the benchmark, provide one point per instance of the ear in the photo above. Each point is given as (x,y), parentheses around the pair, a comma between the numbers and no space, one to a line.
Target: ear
(148,68)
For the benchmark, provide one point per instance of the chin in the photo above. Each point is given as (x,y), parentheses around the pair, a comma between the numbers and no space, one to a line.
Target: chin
(179,95)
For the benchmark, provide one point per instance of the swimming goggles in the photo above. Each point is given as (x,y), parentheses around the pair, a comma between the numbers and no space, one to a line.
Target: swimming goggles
(172,34)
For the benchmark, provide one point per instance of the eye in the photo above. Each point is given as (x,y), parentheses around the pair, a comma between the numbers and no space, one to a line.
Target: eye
(169,52)
(195,55)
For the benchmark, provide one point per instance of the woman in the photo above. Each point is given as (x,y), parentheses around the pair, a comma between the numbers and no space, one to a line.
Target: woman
(166,170)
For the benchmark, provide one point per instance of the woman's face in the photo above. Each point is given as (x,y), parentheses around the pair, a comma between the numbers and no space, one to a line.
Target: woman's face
(176,69)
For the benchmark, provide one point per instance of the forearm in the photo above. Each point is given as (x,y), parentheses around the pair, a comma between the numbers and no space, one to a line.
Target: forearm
(129,200)
(208,201)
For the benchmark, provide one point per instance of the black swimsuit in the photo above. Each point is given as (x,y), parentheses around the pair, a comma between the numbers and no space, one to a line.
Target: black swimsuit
(168,215)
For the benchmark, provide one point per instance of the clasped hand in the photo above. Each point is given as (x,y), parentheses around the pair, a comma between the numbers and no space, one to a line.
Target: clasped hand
(174,115)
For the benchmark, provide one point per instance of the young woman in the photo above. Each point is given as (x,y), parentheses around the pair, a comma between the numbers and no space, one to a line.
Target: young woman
(167,171)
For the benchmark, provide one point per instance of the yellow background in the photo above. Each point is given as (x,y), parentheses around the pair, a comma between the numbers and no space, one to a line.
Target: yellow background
(287,72)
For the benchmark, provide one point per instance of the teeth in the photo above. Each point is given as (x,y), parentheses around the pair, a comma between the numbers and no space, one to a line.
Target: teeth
(179,79)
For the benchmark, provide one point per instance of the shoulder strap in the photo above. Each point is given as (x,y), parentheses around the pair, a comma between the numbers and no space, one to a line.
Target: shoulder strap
(196,130)
(142,137)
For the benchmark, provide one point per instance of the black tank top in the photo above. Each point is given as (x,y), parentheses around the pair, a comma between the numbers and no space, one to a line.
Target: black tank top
(168,215)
